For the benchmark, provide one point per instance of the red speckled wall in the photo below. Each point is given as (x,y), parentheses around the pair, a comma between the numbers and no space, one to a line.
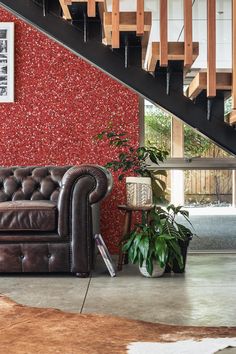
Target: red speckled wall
(61,102)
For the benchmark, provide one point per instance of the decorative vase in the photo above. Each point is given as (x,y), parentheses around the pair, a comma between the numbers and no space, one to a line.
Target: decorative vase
(139,191)
(156,273)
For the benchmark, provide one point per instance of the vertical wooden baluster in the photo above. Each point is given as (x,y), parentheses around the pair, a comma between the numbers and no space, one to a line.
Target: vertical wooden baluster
(163,33)
(65,10)
(233,113)
(188,34)
(140,17)
(115,24)
(211,48)
(91,8)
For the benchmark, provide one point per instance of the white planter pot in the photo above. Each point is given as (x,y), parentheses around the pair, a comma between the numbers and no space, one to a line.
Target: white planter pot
(139,191)
(156,273)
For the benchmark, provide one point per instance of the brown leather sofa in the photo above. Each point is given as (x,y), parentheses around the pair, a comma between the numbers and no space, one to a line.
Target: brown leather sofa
(46,217)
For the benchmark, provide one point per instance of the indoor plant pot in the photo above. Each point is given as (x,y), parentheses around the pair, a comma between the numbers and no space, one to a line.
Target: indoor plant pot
(156,240)
(157,271)
(139,191)
(184,249)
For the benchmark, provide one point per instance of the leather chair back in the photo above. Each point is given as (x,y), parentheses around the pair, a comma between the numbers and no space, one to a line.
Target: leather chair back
(31,183)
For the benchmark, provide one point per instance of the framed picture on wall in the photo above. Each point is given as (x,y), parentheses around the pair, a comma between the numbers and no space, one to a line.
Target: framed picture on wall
(6,62)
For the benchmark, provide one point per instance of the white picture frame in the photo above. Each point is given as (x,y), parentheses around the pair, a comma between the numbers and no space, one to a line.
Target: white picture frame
(6,62)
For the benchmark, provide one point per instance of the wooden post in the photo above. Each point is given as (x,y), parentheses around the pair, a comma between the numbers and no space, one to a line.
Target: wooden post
(177,150)
(140,17)
(188,33)
(91,9)
(211,48)
(115,24)
(65,10)
(233,113)
(163,33)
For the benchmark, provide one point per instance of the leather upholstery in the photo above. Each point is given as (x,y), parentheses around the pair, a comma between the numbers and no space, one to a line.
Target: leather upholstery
(34,257)
(46,217)
(28,215)
(31,183)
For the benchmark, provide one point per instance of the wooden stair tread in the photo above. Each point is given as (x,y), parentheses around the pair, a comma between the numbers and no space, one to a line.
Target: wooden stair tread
(127,21)
(199,83)
(127,24)
(175,52)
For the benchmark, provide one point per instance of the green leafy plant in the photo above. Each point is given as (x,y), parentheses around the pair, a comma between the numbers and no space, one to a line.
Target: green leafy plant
(156,238)
(138,160)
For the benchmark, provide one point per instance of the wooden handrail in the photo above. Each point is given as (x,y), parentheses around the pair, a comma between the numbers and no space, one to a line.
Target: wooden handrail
(140,17)
(211,48)
(188,33)
(115,23)
(163,33)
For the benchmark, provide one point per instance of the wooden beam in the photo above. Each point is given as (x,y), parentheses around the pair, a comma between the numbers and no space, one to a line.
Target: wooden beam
(199,83)
(91,8)
(211,48)
(177,138)
(163,33)
(65,10)
(104,5)
(177,150)
(115,24)
(176,51)
(102,8)
(140,17)
(67,2)
(188,33)
(144,41)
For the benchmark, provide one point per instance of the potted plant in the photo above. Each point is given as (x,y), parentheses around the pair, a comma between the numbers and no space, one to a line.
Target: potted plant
(138,160)
(155,241)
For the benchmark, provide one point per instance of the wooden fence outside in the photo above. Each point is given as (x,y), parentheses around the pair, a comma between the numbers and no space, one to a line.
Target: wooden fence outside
(206,186)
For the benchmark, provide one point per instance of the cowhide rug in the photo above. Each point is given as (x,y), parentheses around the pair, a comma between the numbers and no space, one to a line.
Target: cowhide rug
(26,330)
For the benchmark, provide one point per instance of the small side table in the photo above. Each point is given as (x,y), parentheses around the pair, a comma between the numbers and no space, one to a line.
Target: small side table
(123,257)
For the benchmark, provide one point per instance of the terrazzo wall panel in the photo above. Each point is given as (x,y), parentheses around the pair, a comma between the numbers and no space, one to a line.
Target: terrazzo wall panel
(61,102)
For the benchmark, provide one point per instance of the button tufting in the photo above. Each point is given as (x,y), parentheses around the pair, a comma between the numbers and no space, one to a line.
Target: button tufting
(49,255)
(22,256)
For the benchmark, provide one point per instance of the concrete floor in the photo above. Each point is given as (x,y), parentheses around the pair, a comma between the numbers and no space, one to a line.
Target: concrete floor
(204,295)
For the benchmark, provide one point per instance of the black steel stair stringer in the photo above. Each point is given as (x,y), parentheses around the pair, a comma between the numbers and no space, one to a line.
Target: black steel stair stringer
(135,78)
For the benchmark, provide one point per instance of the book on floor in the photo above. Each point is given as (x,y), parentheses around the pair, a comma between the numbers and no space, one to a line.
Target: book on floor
(105,254)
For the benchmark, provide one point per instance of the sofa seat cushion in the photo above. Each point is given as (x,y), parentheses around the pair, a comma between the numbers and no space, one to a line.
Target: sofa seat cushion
(27,215)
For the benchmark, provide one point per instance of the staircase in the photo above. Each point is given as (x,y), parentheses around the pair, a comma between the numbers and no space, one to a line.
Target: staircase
(116,42)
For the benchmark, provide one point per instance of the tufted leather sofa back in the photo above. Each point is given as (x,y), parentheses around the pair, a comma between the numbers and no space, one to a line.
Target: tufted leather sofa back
(31,183)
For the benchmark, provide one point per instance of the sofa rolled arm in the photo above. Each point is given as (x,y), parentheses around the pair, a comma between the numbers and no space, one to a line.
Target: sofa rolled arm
(102,178)
(81,188)
(97,181)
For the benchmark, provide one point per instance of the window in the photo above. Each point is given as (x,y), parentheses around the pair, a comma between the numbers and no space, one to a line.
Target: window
(203,186)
